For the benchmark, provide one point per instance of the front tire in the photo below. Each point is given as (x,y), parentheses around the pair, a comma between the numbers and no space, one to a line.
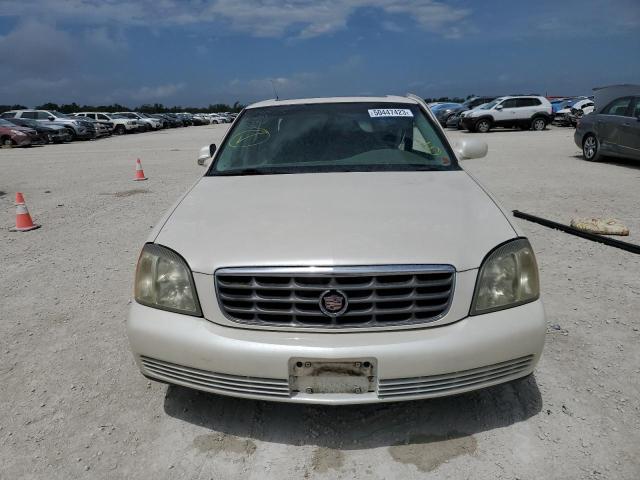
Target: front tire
(483,126)
(538,124)
(120,130)
(591,148)
(7,142)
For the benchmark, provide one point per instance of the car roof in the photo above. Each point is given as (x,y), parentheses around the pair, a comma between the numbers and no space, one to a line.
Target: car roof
(309,101)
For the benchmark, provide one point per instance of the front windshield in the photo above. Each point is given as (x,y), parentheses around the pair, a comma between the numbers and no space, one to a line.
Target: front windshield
(338,137)
(6,123)
(490,105)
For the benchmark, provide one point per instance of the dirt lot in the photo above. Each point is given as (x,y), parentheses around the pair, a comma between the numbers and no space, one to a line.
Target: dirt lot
(73,405)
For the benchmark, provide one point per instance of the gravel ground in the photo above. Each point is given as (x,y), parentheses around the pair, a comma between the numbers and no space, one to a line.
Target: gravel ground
(73,404)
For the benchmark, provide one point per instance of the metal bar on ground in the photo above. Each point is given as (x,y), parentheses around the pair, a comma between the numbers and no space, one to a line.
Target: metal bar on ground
(629,247)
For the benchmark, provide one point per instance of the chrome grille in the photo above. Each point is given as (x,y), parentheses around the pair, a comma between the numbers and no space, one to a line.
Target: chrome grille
(448,382)
(206,380)
(377,296)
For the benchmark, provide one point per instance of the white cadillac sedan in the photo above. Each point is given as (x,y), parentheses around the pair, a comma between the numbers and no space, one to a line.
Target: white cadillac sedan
(335,252)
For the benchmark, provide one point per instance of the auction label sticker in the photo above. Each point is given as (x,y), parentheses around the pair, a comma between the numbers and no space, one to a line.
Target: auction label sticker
(390,112)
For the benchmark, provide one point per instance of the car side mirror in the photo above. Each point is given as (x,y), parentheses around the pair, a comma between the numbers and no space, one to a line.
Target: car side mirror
(206,154)
(51,119)
(498,107)
(467,149)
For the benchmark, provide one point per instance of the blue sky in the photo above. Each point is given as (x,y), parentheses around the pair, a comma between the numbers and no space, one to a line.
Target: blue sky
(196,52)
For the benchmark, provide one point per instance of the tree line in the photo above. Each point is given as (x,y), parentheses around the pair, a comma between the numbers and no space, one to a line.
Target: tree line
(116,107)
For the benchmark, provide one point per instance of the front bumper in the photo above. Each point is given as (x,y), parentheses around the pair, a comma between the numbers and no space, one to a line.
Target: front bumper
(22,140)
(473,353)
(467,122)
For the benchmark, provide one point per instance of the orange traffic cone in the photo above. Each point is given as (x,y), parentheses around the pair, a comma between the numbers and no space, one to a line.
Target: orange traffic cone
(23,219)
(139,172)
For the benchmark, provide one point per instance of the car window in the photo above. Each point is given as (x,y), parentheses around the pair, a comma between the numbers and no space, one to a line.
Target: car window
(511,103)
(333,138)
(8,115)
(42,115)
(619,107)
(101,116)
(636,110)
(29,115)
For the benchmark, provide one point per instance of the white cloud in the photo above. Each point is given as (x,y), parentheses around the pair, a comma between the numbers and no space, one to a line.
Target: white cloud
(261,18)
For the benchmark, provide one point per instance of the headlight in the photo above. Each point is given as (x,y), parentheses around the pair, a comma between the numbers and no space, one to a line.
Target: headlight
(508,277)
(164,281)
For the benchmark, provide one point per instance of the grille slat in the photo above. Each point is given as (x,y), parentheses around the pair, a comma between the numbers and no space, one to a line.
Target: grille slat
(406,387)
(216,381)
(377,296)
(292,298)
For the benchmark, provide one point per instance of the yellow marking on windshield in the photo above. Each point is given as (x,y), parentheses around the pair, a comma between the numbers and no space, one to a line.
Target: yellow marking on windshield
(250,137)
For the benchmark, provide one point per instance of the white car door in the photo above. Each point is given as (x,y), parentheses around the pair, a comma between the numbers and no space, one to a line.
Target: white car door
(508,111)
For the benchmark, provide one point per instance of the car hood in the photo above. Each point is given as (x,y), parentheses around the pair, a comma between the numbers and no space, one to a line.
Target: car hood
(53,126)
(23,129)
(335,219)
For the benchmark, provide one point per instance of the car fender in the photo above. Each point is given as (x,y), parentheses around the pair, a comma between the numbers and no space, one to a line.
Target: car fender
(544,115)
(483,117)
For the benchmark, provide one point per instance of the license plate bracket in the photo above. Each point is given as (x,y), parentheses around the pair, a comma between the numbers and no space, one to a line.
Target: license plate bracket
(354,376)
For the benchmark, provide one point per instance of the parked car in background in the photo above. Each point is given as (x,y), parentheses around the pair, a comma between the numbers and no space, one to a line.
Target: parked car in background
(49,131)
(444,110)
(566,116)
(175,120)
(78,128)
(453,118)
(560,103)
(614,127)
(186,118)
(217,119)
(298,311)
(170,121)
(579,110)
(525,112)
(144,124)
(121,125)
(161,121)
(200,119)
(103,129)
(12,135)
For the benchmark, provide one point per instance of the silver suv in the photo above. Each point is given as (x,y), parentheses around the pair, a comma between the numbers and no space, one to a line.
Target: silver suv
(78,128)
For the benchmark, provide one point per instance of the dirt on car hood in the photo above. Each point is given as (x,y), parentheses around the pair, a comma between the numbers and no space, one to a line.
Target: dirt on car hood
(335,219)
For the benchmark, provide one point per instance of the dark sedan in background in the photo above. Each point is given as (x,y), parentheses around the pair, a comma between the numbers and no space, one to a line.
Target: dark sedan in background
(614,127)
(12,135)
(50,132)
